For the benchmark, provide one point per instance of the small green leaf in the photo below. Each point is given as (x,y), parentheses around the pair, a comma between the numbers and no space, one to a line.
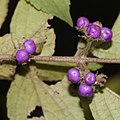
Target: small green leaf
(6,48)
(106,105)
(94,66)
(111,50)
(58,8)
(3,10)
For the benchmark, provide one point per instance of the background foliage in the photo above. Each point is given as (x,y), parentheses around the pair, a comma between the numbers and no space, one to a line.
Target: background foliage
(32,87)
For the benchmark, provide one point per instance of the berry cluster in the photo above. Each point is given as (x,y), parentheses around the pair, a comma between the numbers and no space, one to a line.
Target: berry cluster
(23,55)
(94,30)
(85,88)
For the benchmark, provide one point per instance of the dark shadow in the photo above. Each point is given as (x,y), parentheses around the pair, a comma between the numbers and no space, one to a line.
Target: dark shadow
(105,11)
(6,25)
(23,69)
(73,90)
(98,89)
(110,69)
(51,82)
(84,104)
(4,86)
(37,112)
(66,38)
(105,45)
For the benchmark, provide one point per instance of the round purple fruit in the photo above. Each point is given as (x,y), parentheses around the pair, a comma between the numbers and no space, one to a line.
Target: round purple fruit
(30,46)
(94,31)
(85,90)
(90,78)
(73,75)
(82,22)
(106,34)
(22,56)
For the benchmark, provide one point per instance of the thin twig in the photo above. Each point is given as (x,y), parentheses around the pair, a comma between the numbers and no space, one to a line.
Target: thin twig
(73,59)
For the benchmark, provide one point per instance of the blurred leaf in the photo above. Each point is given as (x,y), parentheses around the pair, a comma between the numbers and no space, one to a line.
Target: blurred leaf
(28,23)
(114,83)
(7,70)
(3,10)
(106,105)
(53,71)
(94,66)
(111,50)
(58,8)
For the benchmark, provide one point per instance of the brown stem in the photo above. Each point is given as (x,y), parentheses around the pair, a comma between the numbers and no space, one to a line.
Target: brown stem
(86,51)
(73,59)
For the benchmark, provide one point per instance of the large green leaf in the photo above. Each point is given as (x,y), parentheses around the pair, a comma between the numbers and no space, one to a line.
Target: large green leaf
(106,105)
(107,51)
(57,103)
(7,70)
(22,97)
(58,8)
(29,91)
(3,10)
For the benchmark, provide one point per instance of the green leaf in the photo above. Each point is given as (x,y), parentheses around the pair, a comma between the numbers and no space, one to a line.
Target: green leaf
(58,8)
(3,10)
(29,91)
(7,70)
(53,71)
(28,23)
(111,50)
(22,97)
(106,105)
(94,66)
(60,104)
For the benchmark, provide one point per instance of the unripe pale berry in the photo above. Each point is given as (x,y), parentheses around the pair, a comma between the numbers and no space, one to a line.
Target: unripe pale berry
(94,31)
(82,22)
(85,90)
(30,46)
(106,34)
(22,56)
(73,75)
(90,78)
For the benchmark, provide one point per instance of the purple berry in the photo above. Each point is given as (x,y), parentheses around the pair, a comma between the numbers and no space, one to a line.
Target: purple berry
(73,75)
(106,34)
(85,90)
(82,22)
(30,46)
(94,31)
(22,56)
(90,78)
